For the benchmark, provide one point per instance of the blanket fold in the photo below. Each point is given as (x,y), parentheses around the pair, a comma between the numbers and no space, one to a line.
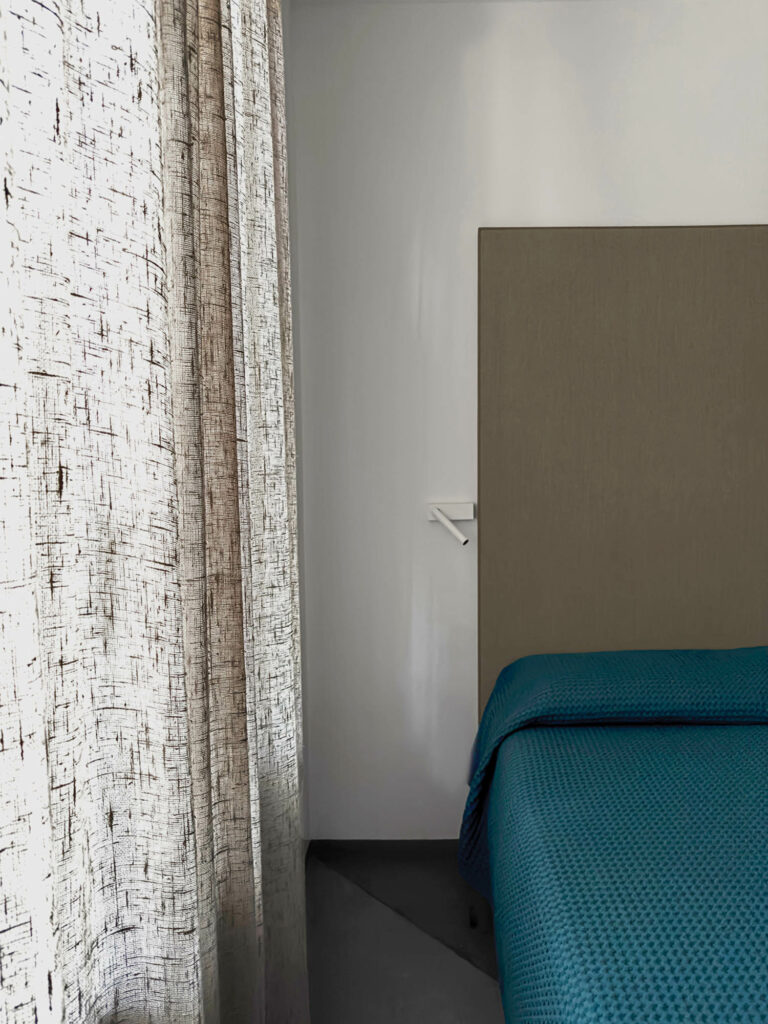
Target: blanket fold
(718,687)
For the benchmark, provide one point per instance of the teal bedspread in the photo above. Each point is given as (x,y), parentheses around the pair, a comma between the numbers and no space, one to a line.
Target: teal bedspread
(618,820)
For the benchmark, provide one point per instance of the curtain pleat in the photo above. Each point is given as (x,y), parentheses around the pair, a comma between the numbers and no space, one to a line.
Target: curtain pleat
(150,711)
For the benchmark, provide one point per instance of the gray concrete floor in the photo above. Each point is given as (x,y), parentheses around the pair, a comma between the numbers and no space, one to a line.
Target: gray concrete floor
(370,964)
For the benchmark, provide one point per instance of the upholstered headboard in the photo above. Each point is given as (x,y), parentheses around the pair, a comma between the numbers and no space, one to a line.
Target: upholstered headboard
(623,440)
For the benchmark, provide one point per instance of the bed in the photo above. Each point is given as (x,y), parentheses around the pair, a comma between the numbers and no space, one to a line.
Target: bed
(618,811)
(618,821)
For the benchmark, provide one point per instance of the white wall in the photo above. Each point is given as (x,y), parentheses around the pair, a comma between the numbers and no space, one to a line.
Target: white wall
(412,124)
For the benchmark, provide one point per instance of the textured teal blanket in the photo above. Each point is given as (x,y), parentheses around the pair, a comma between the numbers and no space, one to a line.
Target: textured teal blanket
(618,819)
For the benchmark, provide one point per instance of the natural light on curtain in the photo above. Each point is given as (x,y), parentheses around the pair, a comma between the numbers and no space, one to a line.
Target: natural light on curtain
(150,727)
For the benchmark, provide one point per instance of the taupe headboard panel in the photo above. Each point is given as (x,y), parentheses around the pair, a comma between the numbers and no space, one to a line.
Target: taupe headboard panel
(623,440)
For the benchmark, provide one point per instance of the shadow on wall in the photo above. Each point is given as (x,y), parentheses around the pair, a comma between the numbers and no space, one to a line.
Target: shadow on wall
(390,633)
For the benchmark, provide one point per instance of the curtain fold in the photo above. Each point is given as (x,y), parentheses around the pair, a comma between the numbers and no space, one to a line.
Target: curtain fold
(151,860)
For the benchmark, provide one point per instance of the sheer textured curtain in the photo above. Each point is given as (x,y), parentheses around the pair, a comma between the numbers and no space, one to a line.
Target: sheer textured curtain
(150,713)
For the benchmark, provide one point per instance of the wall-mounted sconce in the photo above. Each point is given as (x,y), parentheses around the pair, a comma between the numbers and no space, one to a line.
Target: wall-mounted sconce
(446,512)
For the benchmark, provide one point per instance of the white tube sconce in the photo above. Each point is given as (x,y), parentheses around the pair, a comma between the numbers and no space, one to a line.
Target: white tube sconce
(445,512)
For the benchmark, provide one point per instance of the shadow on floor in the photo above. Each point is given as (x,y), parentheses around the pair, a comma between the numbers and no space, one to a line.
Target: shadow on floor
(395,935)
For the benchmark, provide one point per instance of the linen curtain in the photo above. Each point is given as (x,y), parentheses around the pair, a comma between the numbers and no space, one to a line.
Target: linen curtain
(150,720)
